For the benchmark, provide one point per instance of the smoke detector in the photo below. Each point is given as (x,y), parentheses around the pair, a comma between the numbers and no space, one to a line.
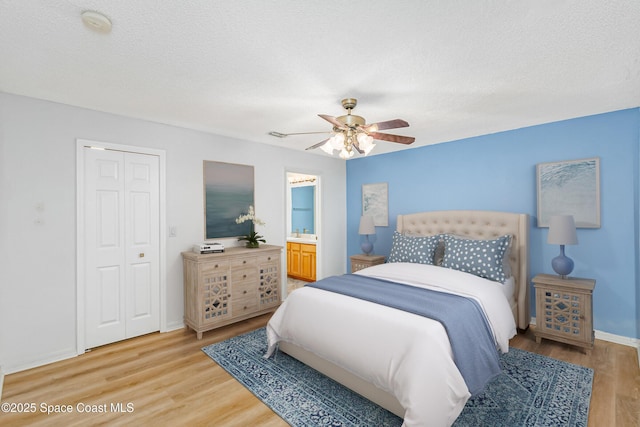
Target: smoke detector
(96,21)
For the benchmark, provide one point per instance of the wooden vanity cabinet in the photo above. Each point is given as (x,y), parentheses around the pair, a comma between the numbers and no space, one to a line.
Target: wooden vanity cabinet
(301,261)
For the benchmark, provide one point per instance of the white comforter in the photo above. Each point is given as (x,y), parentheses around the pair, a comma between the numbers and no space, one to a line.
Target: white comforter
(407,355)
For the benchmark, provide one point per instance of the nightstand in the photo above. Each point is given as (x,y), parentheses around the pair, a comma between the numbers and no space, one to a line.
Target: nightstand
(358,262)
(564,310)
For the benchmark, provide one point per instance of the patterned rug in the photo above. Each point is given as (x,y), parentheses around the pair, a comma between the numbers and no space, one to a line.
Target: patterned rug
(533,390)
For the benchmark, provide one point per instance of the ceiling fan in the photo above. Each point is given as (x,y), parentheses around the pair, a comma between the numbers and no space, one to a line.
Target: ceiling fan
(351,133)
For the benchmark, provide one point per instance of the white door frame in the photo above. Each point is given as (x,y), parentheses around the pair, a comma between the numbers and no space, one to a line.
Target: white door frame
(80,225)
(318,219)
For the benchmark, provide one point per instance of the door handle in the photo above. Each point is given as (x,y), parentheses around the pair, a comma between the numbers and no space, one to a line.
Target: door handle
(141,255)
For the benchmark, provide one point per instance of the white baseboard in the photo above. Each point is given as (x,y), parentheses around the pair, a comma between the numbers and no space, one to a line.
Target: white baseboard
(52,358)
(618,339)
(174,326)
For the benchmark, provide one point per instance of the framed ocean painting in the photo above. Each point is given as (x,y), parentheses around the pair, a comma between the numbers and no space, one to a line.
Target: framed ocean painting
(375,203)
(228,193)
(569,188)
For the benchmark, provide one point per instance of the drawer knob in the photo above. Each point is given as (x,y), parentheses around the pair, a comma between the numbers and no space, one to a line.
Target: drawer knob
(244,276)
(244,262)
(244,292)
(216,266)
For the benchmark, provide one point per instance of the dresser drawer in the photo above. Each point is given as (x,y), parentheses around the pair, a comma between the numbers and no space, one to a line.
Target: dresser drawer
(244,290)
(243,262)
(245,305)
(244,274)
(214,267)
(264,259)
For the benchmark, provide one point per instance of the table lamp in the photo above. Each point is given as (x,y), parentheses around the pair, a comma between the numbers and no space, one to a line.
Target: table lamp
(367,227)
(562,231)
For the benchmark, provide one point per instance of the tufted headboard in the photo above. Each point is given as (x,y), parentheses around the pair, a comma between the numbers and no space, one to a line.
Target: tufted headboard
(483,225)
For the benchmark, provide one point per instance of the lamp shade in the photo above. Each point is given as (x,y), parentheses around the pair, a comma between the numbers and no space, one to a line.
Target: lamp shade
(562,230)
(366,225)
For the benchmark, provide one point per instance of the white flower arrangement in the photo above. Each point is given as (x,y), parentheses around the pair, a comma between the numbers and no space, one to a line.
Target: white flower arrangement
(253,239)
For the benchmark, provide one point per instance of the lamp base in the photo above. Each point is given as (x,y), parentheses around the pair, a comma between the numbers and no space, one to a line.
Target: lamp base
(562,264)
(367,247)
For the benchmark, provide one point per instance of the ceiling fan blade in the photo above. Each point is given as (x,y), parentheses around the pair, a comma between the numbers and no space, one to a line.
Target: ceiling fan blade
(318,144)
(333,121)
(392,138)
(284,135)
(389,124)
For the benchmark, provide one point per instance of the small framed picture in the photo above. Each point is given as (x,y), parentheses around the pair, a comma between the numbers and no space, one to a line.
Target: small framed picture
(375,203)
(569,188)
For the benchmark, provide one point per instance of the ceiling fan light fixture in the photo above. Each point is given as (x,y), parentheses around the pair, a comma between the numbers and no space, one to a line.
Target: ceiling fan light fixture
(337,141)
(327,148)
(350,133)
(364,139)
(365,142)
(346,154)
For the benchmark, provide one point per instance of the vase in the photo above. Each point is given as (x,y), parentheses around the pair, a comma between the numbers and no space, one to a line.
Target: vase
(253,244)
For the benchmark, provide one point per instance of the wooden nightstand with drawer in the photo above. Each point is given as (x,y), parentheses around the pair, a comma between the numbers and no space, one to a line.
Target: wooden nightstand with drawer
(358,262)
(564,310)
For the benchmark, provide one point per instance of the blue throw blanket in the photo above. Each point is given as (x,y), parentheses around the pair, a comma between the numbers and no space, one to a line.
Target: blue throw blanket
(472,342)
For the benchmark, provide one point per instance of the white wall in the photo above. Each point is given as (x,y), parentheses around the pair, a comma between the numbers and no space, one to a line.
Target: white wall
(38,212)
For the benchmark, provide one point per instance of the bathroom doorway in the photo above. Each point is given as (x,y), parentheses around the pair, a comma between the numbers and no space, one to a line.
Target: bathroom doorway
(302,229)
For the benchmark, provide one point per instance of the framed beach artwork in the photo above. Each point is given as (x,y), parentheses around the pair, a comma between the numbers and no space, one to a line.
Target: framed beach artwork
(375,203)
(228,193)
(569,187)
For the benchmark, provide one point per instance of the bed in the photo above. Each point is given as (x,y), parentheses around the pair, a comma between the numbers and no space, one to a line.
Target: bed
(399,360)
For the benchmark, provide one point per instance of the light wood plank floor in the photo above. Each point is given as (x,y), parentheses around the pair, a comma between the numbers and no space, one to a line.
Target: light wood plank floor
(167,380)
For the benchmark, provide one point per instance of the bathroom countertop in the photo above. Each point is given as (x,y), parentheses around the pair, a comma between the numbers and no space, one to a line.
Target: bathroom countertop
(310,239)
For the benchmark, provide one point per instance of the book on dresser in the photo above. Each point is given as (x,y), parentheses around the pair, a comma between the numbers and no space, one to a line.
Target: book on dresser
(224,288)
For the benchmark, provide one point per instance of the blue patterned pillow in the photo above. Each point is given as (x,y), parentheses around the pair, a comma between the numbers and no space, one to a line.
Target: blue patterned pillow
(413,249)
(484,258)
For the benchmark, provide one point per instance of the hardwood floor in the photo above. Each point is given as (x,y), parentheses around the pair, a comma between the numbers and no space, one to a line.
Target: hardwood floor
(165,379)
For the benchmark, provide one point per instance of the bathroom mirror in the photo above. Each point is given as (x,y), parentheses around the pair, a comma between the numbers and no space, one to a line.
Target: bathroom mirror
(303,209)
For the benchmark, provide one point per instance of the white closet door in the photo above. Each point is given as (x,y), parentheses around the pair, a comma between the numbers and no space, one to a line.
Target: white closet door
(142,244)
(121,243)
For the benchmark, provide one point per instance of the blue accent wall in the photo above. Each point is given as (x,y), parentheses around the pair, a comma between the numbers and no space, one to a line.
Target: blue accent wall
(498,172)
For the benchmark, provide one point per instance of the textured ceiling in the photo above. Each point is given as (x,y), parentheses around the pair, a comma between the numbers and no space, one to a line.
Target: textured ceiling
(452,69)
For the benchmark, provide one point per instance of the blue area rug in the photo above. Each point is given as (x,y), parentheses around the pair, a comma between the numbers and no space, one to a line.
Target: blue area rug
(533,390)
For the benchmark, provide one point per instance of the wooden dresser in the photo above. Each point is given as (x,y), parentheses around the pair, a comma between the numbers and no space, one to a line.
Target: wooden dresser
(224,288)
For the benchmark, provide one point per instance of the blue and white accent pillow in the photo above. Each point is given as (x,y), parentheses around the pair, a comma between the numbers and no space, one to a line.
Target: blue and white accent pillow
(418,250)
(484,258)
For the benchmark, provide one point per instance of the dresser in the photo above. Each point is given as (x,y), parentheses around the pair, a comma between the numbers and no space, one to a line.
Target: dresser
(564,310)
(223,288)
